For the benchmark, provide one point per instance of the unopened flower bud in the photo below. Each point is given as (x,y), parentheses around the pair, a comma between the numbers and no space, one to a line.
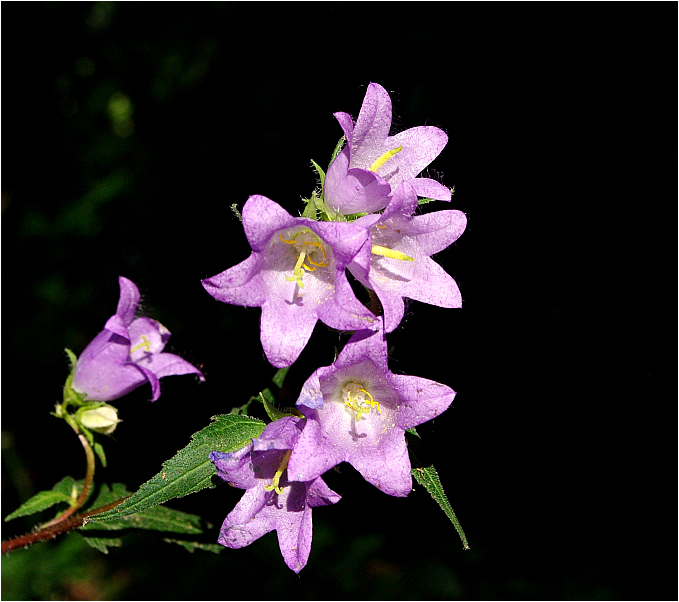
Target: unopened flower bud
(103,419)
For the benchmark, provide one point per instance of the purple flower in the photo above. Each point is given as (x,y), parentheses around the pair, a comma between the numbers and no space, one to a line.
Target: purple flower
(271,500)
(400,265)
(296,273)
(127,353)
(357,411)
(372,158)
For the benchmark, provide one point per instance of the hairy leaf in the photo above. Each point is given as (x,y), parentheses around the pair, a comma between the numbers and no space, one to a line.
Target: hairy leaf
(65,490)
(190,470)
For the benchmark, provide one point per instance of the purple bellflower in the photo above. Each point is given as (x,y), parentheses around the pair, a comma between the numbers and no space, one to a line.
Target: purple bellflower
(271,500)
(357,179)
(358,411)
(400,264)
(296,274)
(127,353)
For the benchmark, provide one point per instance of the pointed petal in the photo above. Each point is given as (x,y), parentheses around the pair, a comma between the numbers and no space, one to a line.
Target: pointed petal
(262,218)
(421,145)
(426,187)
(312,456)
(129,299)
(344,311)
(347,124)
(241,284)
(430,284)
(285,331)
(117,325)
(371,128)
(246,523)
(152,378)
(319,494)
(433,232)
(386,467)
(294,526)
(422,399)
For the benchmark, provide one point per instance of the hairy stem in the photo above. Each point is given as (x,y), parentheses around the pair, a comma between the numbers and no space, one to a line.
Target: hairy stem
(64,525)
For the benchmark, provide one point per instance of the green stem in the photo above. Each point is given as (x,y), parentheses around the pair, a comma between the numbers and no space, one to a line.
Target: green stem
(89,475)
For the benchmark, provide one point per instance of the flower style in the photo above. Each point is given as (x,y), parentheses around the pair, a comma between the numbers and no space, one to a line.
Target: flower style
(127,353)
(356,180)
(271,500)
(400,264)
(358,411)
(296,274)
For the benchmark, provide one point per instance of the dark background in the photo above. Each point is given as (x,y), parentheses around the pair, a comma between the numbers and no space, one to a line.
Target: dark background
(130,129)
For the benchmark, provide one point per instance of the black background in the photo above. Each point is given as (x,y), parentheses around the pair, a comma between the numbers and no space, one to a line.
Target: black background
(562,150)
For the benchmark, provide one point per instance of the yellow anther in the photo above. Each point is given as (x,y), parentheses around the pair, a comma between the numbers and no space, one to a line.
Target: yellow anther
(381,227)
(385,157)
(324,262)
(289,242)
(359,402)
(372,403)
(146,344)
(279,473)
(385,252)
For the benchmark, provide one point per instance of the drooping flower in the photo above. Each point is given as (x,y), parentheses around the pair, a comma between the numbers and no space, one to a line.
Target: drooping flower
(296,274)
(400,264)
(357,411)
(271,500)
(355,181)
(127,353)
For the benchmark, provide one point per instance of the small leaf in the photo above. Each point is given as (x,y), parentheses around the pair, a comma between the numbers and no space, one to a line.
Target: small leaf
(190,470)
(104,543)
(427,476)
(99,450)
(39,502)
(192,546)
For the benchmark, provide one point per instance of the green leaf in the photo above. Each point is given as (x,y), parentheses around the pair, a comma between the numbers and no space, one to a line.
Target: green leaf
(104,543)
(65,490)
(279,377)
(192,546)
(427,476)
(190,470)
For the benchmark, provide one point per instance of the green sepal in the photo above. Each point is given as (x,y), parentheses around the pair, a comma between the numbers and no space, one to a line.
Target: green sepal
(319,171)
(192,546)
(313,206)
(71,396)
(427,476)
(236,212)
(271,411)
(279,377)
(66,490)
(99,450)
(338,149)
(190,470)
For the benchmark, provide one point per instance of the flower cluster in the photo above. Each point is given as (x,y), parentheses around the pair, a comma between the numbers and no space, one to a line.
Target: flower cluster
(355,410)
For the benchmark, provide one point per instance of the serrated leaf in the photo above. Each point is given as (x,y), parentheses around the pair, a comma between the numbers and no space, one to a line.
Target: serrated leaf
(192,546)
(104,543)
(63,491)
(190,470)
(426,475)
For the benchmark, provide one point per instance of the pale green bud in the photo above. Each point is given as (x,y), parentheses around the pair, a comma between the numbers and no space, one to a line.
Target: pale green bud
(102,419)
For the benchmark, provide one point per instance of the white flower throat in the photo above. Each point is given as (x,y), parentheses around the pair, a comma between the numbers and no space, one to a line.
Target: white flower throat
(311,254)
(359,400)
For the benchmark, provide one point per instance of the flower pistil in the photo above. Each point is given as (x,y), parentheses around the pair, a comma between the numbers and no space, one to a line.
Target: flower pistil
(308,245)
(279,473)
(359,400)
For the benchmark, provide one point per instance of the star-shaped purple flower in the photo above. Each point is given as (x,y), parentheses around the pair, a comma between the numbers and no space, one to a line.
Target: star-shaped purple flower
(271,500)
(400,264)
(358,411)
(355,181)
(127,353)
(296,274)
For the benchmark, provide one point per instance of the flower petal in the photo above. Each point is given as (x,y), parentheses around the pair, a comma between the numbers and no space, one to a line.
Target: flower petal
(129,299)
(246,522)
(371,128)
(285,331)
(421,145)
(235,467)
(241,284)
(262,217)
(426,187)
(386,467)
(422,399)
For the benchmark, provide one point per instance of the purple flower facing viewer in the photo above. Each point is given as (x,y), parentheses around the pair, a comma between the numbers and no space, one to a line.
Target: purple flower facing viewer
(271,501)
(127,353)
(356,180)
(296,274)
(357,411)
(400,264)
